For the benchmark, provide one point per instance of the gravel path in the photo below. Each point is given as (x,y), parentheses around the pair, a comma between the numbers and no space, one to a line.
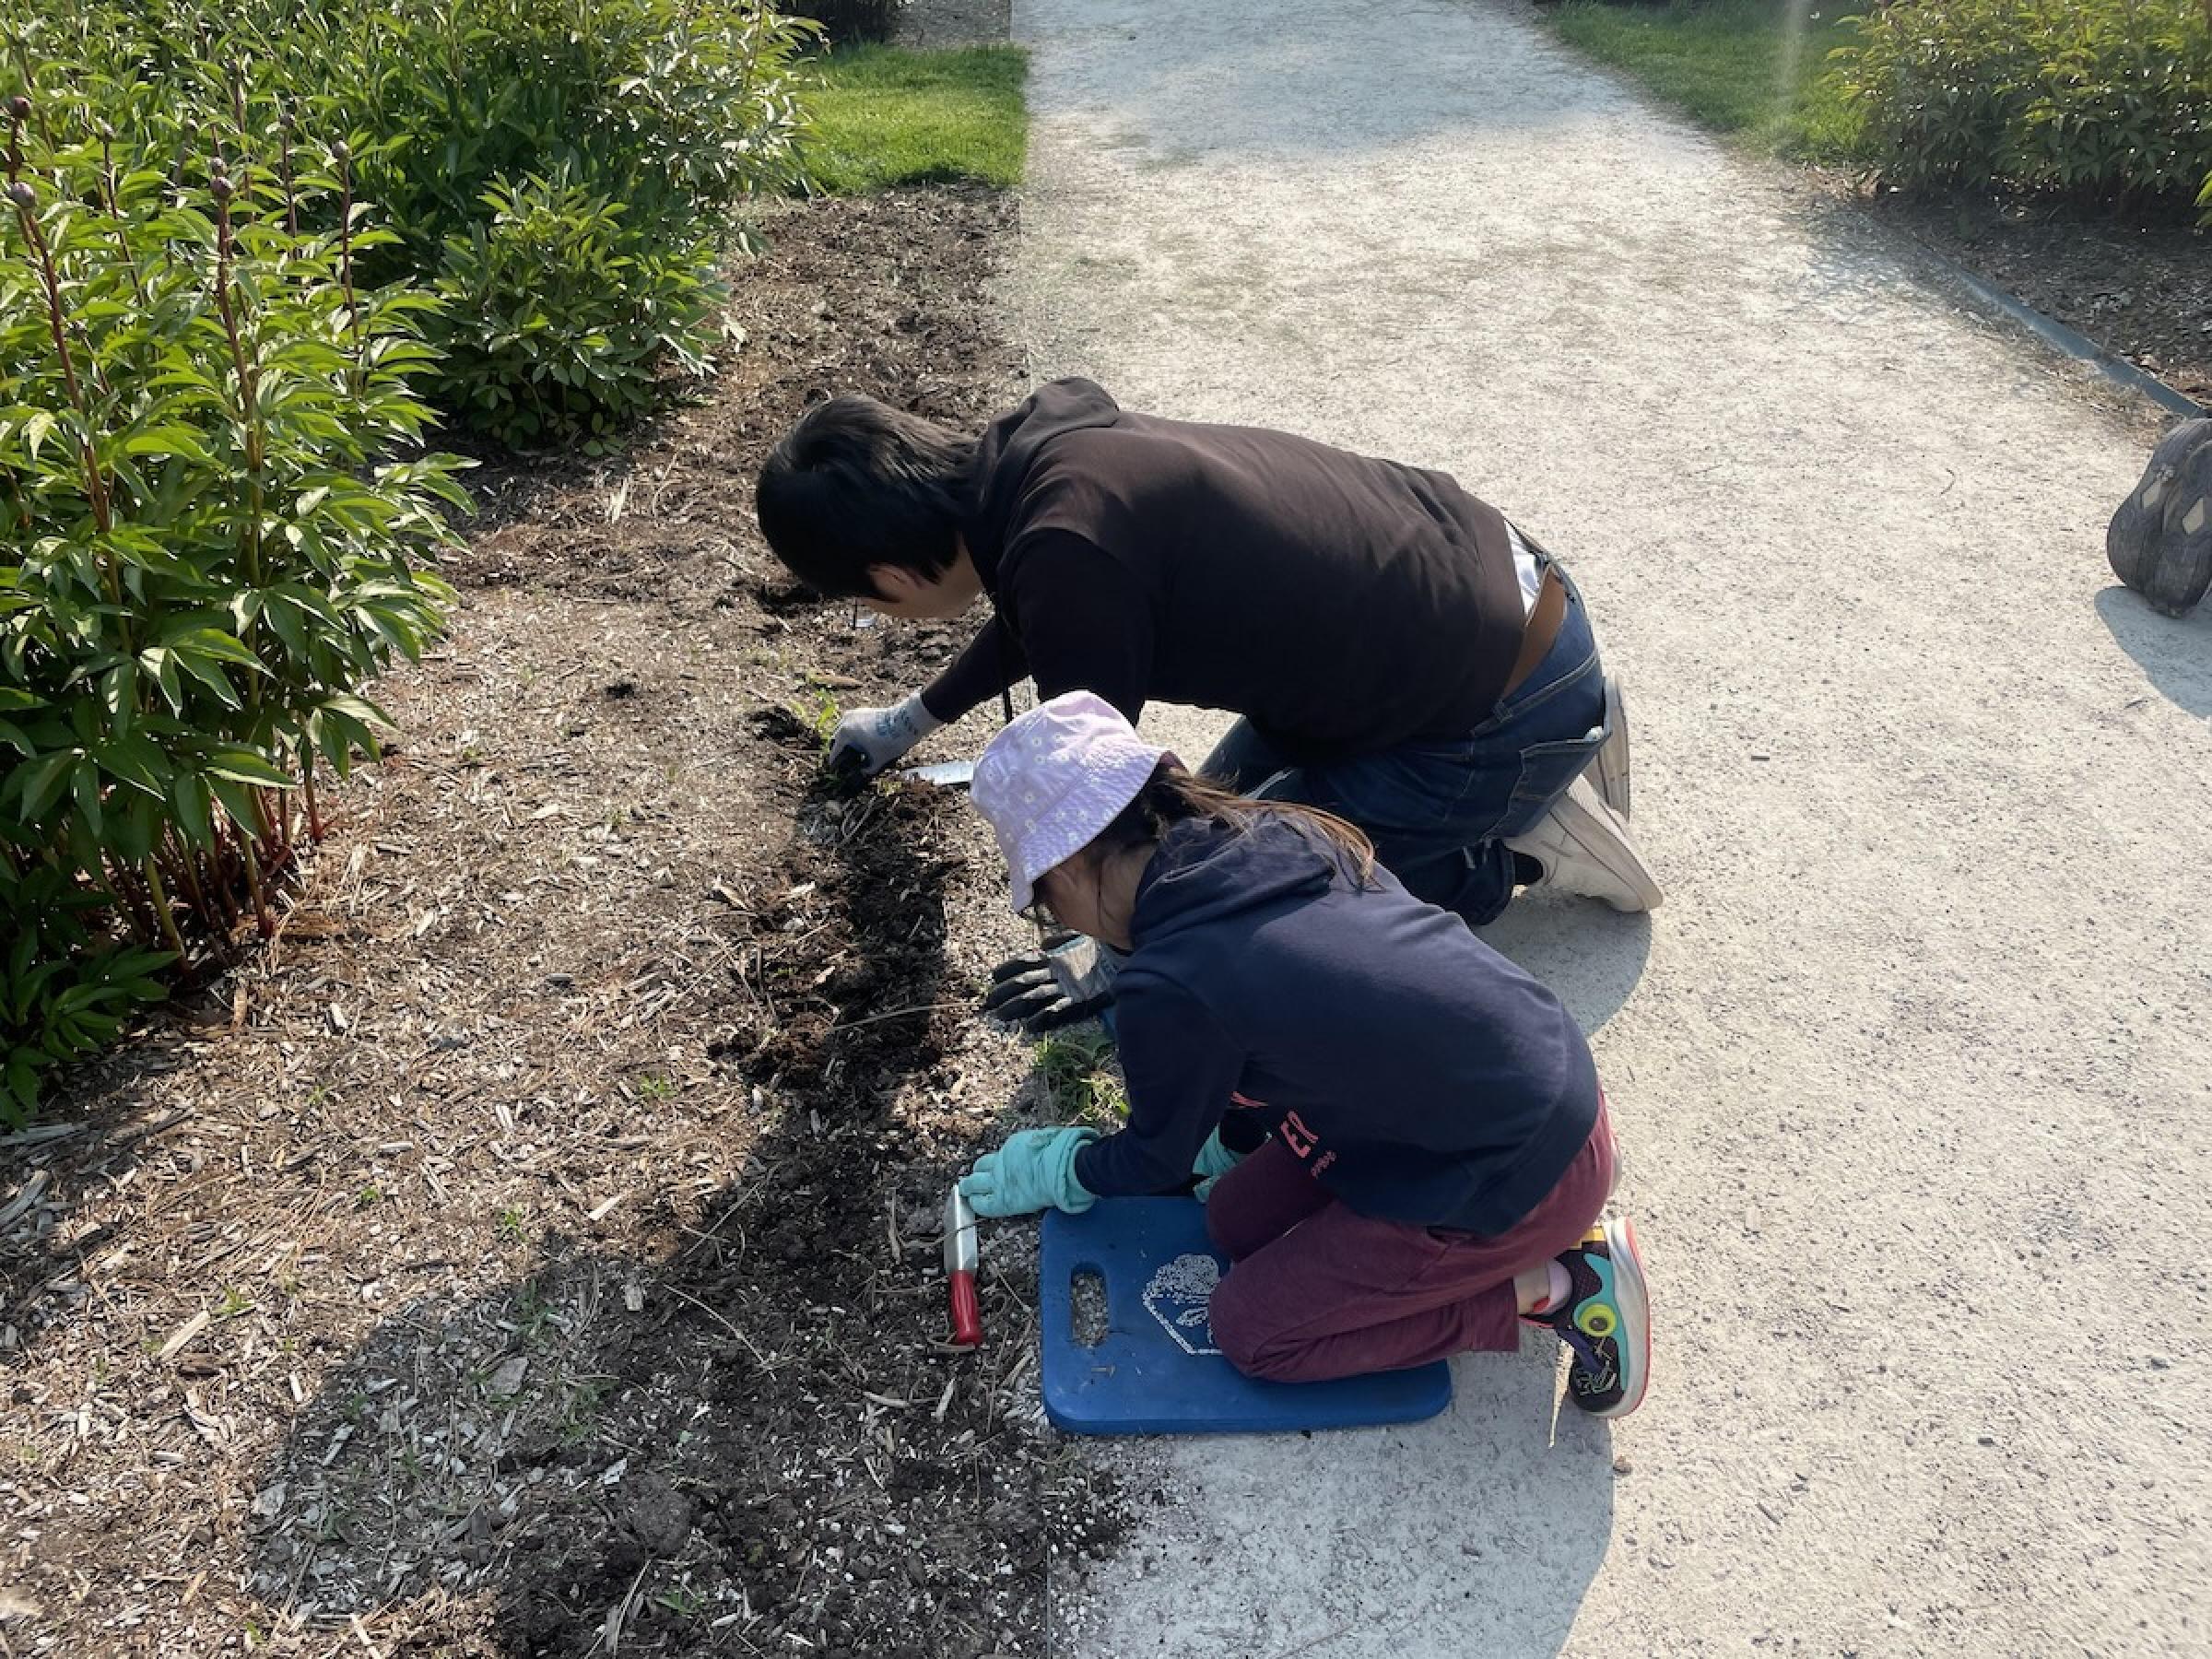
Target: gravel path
(1913,1068)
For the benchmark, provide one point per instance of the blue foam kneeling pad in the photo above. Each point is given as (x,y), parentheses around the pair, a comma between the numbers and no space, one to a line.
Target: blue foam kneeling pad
(1158,1371)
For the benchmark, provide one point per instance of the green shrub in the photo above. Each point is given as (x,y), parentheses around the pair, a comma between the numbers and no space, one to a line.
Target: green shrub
(218,516)
(227,231)
(560,313)
(613,140)
(2104,99)
(676,110)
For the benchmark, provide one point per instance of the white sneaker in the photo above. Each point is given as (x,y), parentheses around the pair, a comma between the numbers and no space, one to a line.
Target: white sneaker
(1609,769)
(1585,848)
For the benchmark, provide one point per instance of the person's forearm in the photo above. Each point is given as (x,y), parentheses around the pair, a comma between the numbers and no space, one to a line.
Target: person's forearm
(1180,1068)
(992,663)
(1131,1166)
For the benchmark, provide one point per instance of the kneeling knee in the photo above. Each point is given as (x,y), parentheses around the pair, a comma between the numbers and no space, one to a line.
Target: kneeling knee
(1249,1340)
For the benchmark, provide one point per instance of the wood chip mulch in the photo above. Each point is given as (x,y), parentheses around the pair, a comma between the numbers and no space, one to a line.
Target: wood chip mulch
(534,1250)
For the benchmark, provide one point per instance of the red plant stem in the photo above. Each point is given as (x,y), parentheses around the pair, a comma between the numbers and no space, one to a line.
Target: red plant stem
(353,307)
(95,482)
(291,196)
(220,880)
(307,776)
(125,894)
(186,863)
(275,814)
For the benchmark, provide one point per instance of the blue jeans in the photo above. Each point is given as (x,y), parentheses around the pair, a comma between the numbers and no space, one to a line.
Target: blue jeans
(1438,810)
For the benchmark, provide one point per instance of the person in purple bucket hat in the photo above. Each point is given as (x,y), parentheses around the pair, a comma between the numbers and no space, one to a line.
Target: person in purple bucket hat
(1434,1151)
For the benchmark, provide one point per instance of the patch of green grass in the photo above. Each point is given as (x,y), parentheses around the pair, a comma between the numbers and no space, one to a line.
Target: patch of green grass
(1756,67)
(1077,1081)
(883,116)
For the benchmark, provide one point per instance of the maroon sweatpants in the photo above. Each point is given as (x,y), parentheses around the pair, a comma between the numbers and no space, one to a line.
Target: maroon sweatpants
(1315,1291)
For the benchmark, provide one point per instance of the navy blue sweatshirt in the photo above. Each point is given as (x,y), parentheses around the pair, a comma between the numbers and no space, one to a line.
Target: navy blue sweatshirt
(1421,1077)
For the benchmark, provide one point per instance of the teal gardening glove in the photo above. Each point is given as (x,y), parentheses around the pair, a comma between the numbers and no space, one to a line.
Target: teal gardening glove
(1034,1170)
(1214,1161)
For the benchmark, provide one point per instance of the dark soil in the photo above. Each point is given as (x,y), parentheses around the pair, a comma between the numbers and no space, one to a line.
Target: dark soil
(536,1251)
(2145,295)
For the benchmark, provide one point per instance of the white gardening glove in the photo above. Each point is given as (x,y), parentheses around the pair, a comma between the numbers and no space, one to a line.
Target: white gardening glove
(867,740)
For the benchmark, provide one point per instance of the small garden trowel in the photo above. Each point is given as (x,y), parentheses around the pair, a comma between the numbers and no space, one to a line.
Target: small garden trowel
(959,1270)
(945,774)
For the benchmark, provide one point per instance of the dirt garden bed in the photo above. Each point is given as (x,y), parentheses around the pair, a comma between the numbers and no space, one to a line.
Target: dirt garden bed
(536,1251)
(2145,295)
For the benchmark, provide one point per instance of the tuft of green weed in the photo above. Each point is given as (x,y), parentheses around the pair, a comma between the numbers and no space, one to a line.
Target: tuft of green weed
(235,1301)
(683,1601)
(1079,1083)
(821,718)
(579,1411)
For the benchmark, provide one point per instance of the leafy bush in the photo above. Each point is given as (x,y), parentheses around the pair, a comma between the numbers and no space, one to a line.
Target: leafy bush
(2110,98)
(570,176)
(209,548)
(238,244)
(559,317)
(660,117)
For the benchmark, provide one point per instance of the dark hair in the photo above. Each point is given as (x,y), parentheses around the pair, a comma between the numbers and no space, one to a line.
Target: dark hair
(1172,796)
(855,483)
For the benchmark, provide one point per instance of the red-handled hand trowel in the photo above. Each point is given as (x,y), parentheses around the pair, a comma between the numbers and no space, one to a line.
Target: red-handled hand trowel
(960,1270)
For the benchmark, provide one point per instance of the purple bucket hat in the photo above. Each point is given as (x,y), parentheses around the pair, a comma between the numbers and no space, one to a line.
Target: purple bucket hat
(1054,778)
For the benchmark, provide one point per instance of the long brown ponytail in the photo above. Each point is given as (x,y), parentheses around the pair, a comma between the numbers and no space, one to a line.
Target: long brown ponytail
(1173,795)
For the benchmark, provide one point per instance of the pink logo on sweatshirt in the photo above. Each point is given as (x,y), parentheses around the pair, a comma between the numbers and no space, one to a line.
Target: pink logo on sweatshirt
(1296,1135)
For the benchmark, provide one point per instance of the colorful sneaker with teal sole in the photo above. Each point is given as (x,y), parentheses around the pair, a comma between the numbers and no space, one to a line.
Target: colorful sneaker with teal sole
(1605,1321)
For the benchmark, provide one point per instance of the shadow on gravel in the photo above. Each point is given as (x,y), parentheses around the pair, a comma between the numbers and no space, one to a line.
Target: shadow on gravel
(47,1172)
(2175,652)
(1591,956)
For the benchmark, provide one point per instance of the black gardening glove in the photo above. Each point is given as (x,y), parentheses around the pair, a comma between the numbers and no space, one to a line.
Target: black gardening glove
(1044,990)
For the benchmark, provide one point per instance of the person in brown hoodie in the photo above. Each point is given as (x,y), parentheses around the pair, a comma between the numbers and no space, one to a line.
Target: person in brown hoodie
(1399,654)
